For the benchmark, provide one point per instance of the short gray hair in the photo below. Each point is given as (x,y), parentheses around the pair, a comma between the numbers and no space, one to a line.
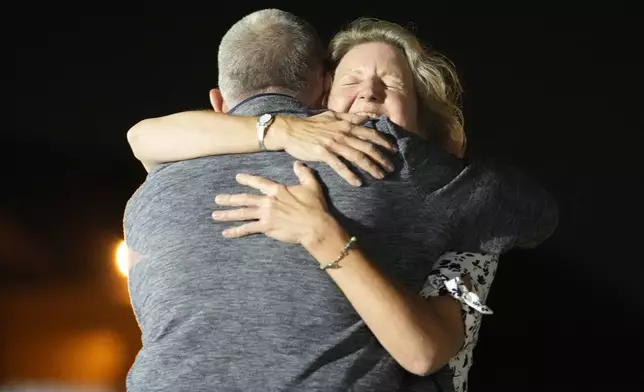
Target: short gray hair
(268,51)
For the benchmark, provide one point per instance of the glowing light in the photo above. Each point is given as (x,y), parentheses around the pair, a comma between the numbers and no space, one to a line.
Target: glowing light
(122,262)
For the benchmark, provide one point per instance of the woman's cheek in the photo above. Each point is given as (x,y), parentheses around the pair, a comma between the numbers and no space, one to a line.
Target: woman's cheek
(339,103)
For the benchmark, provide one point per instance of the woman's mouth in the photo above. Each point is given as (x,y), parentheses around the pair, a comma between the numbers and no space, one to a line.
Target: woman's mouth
(369,114)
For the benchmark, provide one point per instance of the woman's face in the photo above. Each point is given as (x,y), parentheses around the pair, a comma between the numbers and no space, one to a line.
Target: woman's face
(374,78)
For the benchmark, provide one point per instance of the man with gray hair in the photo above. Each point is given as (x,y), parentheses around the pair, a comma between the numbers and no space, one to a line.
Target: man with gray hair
(271,51)
(227,315)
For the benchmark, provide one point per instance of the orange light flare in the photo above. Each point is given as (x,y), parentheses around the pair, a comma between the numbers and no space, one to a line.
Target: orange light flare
(122,262)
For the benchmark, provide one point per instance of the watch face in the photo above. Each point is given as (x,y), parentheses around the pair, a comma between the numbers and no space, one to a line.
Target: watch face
(264,119)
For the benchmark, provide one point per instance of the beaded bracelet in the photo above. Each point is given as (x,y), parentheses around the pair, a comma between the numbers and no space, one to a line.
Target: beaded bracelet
(336,263)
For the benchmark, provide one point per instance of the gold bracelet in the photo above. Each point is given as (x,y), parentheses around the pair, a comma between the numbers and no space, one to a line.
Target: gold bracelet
(336,263)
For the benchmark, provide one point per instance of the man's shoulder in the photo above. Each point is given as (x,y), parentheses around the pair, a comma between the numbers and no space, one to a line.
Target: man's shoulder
(500,179)
(216,165)
(272,103)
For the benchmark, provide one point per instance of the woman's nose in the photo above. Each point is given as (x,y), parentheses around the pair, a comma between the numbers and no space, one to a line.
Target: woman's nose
(371,92)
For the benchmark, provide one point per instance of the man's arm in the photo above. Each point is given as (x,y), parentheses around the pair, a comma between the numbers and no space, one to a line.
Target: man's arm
(541,217)
(506,209)
(520,209)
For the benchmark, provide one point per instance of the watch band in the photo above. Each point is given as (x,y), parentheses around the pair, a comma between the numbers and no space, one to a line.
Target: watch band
(263,122)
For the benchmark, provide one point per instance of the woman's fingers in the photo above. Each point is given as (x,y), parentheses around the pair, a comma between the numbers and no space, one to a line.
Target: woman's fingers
(305,175)
(244,230)
(360,159)
(264,185)
(240,214)
(353,118)
(350,123)
(340,167)
(239,200)
(373,136)
(362,150)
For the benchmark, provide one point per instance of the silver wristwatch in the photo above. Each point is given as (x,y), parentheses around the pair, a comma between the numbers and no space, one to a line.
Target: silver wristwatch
(263,122)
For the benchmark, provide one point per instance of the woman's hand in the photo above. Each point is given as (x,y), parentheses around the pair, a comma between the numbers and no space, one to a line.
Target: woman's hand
(328,136)
(294,214)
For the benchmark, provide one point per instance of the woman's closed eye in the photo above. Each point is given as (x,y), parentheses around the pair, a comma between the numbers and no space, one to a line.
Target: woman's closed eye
(350,82)
(393,84)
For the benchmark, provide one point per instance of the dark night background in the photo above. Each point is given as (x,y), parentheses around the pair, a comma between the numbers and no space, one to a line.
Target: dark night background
(557,96)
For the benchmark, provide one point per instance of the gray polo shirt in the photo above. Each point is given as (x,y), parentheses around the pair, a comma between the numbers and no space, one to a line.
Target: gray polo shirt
(254,314)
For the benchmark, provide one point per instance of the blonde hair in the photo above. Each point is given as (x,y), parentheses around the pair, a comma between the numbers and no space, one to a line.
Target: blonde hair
(437,86)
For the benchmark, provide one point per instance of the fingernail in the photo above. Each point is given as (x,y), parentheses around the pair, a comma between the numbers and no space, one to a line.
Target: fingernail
(217,199)
(357,182)
(390,168)
(215,215)
(225,233)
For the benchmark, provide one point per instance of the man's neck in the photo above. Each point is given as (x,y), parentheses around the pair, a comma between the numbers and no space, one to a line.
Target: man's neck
(262,94)
(270,103)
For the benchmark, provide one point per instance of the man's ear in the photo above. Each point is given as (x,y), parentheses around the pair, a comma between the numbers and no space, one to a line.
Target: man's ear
(217,101)
(328,82)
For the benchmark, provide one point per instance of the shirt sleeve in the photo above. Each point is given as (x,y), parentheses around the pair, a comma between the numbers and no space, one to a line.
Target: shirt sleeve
(520,212)
(452,274)
(454,271)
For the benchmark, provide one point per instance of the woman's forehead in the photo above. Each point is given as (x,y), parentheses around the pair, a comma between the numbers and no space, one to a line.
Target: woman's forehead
(374,56)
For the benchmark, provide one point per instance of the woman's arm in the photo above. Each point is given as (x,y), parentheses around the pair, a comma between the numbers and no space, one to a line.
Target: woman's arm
(193,134)
(321,138)
(422,335)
